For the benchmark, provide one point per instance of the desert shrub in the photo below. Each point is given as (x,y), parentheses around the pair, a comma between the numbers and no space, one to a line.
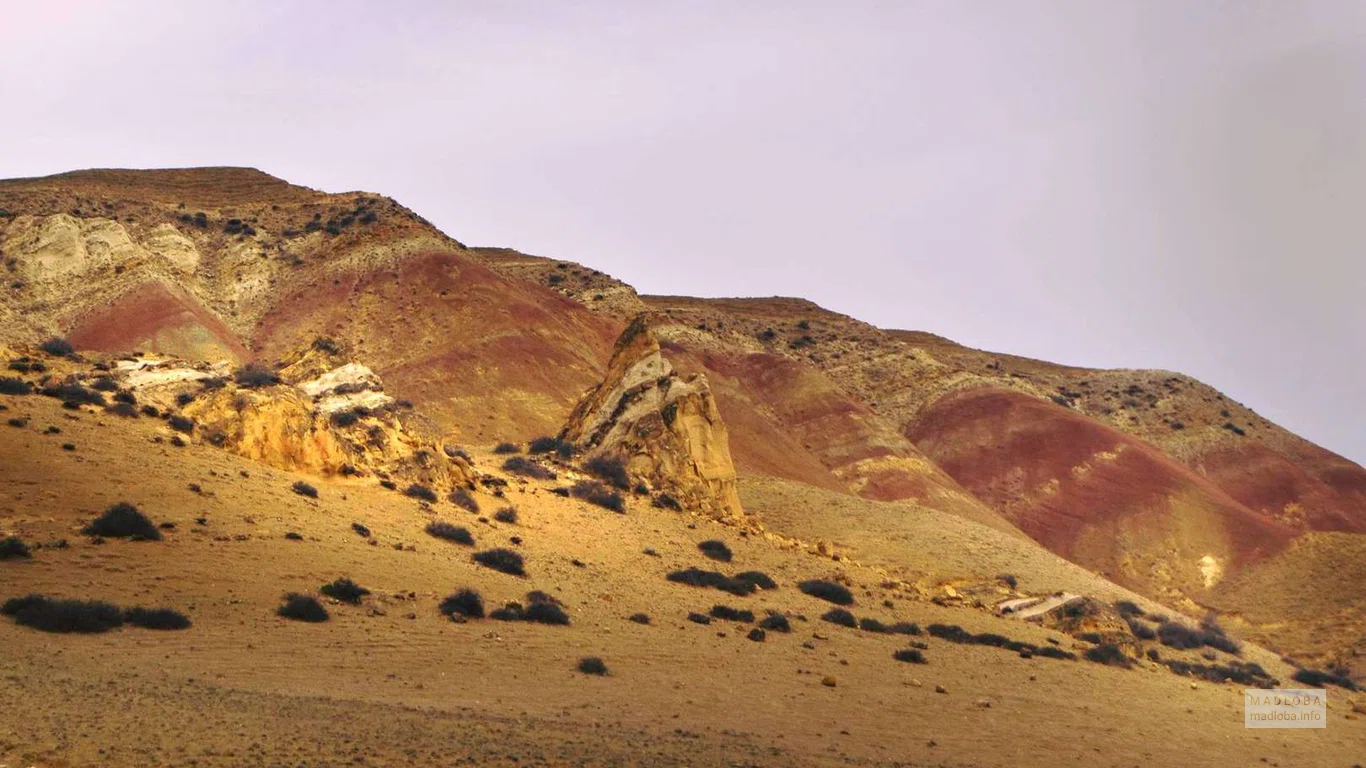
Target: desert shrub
(462,498)
(463,602)
(345,590)
(696,577)
(521,465)
(55,615)
(666,501)
(506,515)
(1249,674)
(1108,654)
(505,448)
(12,385)
(294,536)
(716,550)
(388,485)
(546,612)
(775,622)
(304,489)
(420,492)
(868,624)
(1050,652)
(125,397)
(57,346)
(12,548)
(1140,630)
(255,376)
(910,656)
(104,384)
(1178,635)
(1317,678)
(501,560)
(595,492)
(345,418)
(841,617)
(156,618)
(759,579)
(123,521)
(302,608)
(544,445)
(1009,580)
(956,634)
(827,590)
(640,618)
(17,423)
(456,452)
(180,424)
(122,409)
(904,628)
(592,665)
(699,618)
(509,612)
(73,394)
(611,470)
(757,635)
(1212,635)
(1128,609)
(449,532)
(731,614)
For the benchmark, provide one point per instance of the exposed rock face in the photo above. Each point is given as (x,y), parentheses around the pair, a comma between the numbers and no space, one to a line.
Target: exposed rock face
(665,427)
(337,421)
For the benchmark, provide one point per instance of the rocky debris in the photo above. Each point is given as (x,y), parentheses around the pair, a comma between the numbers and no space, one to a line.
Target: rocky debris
(665,427)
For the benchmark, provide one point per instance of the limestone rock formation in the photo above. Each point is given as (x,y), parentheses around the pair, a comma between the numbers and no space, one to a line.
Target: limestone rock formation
(666,428)
(337,421)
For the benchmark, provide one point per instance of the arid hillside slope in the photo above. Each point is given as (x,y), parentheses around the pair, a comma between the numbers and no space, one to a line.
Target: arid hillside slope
(1154,480)
(390,677)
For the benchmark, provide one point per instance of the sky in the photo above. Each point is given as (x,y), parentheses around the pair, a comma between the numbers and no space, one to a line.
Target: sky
(1156,184)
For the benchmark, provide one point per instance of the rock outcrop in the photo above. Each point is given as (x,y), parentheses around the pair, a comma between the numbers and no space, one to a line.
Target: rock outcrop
(664,427)
(330,421)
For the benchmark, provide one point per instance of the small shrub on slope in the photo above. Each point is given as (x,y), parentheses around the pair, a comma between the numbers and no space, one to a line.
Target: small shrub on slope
(63,616)
(303,608)
(502,560)
(156,618)
(464,602)
(448,532)
(123,521)
(716,550)
(827,590)
(345,590)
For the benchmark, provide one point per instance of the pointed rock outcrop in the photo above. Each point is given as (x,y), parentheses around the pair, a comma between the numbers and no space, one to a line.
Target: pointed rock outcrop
(664,427)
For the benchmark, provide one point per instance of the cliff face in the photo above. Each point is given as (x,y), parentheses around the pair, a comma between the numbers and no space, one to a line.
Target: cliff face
(665,427)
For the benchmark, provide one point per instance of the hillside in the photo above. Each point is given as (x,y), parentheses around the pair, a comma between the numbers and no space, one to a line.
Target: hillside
(390,679)
(235,334)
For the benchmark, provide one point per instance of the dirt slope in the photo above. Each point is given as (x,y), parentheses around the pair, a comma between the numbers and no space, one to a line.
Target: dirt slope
(1151,478)
(391,681)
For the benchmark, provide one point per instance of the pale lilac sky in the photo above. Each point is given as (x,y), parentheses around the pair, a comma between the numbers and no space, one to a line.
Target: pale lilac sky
(1171,184)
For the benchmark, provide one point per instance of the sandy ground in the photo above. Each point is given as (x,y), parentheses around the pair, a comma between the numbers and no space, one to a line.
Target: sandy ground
(392,682)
